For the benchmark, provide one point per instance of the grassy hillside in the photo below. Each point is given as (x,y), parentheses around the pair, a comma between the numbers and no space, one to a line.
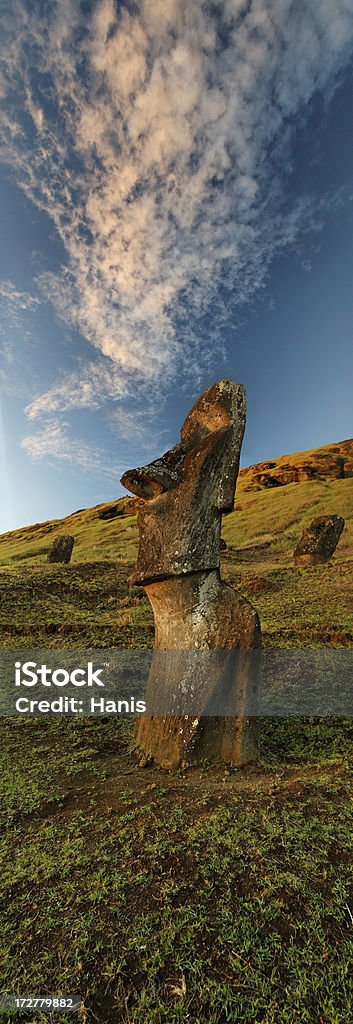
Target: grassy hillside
(264,512)
(90,602)
(205,896)
(96,539)
(331,462)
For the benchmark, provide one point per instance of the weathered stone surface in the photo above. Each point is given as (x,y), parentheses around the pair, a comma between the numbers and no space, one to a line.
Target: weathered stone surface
(189,487)
(62,549)
(186,491)
(319,540)
(200,611)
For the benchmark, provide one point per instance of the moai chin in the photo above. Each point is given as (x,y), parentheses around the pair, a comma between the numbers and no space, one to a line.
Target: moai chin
(186,492)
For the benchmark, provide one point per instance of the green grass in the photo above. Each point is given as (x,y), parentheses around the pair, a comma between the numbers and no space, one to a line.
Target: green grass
(58,606)
(276,517)
(95,539)
(83,605)
(201,896)
(207,896)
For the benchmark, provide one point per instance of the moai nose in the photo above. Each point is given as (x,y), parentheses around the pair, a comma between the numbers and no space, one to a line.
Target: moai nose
(159,476)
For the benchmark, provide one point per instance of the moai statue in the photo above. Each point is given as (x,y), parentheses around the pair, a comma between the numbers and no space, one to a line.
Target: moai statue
(185,493)
(319,541)
(62,548)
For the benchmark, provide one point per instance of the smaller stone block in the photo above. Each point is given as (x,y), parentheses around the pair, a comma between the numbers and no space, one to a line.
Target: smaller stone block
(62,549)
(319,541)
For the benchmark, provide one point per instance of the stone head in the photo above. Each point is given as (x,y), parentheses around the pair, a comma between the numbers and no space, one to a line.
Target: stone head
(188,488)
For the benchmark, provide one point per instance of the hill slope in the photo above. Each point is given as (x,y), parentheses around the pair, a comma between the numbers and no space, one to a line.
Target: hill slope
(90,602)
(274,501)
(203,895)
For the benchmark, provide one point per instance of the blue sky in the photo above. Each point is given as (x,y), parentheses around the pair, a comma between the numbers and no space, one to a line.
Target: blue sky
(176,207)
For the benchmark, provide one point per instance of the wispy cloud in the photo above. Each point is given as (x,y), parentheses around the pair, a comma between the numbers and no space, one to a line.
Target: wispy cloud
(15,299)
(137,427)
(54,443)
(15,304)
(158,141)
(87,388)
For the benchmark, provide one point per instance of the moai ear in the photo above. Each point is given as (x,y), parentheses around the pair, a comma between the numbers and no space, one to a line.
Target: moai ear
(221,411)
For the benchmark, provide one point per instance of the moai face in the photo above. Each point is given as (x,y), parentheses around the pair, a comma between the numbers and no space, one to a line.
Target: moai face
(187,489)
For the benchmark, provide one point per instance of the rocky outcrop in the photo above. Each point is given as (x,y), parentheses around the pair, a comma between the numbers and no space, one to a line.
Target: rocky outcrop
(111,512)
(319,540)
(122,507)
(335,462)
(185,493)
(285,475)
(62,549)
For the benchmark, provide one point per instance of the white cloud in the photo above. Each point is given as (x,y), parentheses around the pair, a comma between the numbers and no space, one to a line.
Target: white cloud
(54,443)
(158,143)
(86,388)
(15,299)
(14,305)
(35,111)
(137,427)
